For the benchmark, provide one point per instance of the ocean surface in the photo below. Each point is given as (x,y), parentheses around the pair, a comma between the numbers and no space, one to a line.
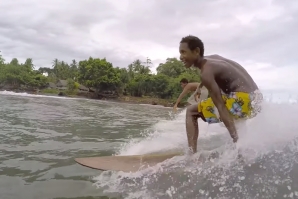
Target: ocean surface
(41,135)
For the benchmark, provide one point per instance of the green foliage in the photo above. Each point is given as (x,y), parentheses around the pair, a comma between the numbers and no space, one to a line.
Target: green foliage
(138,80)
(15,74)
(76,85)
(71,85)
(135,80)
(50,91)
(172,68)
(98,73)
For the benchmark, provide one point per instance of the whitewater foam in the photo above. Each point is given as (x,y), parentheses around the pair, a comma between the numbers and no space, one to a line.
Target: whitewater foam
(24,94)
(263,163)
(220,169)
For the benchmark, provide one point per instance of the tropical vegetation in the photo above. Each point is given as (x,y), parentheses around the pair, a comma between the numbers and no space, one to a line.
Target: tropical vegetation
(137,79)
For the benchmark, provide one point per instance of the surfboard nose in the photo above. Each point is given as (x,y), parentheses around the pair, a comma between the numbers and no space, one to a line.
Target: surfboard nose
(131,163)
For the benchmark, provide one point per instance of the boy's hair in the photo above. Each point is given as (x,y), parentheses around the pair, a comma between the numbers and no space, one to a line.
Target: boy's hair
(184,80)
(193,42)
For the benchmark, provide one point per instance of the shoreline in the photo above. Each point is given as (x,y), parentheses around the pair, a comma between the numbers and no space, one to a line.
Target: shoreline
(120,99)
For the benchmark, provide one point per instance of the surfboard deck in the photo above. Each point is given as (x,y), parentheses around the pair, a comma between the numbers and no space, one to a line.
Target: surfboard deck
(130,163)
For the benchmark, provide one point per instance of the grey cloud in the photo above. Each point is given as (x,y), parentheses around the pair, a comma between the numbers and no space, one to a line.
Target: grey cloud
(61,29)
(268,42)
(272,41)
(163,20)
(25,32)
(32,13)
(48,48)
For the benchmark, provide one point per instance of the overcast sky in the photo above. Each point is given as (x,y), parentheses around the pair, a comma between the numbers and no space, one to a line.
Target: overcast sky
(260,35)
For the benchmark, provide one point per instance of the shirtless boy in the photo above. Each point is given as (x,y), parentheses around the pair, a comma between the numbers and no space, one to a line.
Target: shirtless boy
(188,87)
(233,93)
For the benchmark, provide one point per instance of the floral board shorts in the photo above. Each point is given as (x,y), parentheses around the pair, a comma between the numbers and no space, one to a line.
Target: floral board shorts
(240,105)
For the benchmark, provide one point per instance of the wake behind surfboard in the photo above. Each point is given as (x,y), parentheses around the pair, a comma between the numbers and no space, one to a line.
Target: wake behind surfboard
(130,163)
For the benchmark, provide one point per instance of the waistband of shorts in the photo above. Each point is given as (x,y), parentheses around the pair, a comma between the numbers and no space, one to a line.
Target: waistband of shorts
(255,92)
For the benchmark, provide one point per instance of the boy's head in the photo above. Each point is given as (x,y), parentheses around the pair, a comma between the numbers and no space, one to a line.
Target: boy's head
(183,82)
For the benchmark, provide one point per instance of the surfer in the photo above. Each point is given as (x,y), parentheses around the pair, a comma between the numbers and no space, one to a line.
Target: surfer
(188,87)
(233,93)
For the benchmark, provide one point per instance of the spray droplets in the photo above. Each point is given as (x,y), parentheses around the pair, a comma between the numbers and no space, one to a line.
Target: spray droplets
(171,191)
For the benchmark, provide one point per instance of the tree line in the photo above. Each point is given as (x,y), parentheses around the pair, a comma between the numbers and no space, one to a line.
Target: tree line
(136,79)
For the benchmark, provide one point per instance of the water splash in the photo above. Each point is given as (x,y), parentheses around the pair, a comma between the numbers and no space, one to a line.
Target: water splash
(24,94)
(263,163)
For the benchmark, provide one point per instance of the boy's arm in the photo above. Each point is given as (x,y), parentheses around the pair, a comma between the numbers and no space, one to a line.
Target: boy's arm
(198,92)
(215,94)
(184,92)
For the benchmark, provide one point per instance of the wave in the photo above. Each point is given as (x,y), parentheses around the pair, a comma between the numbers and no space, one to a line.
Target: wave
(262,164)
(24,94)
